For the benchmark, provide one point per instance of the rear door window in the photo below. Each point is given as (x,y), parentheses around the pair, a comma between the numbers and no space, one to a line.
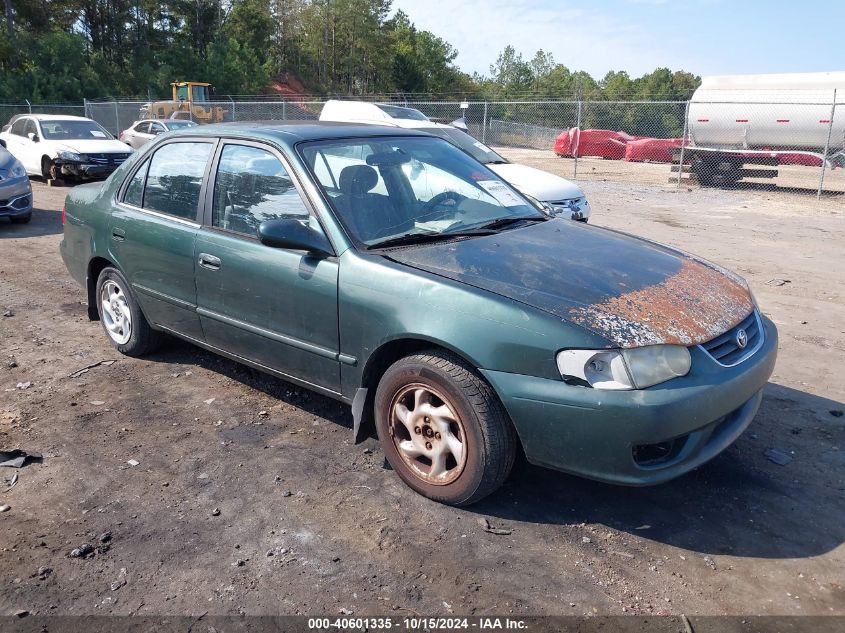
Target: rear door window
(174,179)
(135,190)
(18,127)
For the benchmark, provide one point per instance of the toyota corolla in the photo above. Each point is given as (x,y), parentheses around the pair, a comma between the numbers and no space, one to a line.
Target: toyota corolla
(390,270)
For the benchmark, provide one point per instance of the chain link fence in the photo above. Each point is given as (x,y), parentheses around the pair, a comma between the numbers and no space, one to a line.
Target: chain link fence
(8,110)
(787,142)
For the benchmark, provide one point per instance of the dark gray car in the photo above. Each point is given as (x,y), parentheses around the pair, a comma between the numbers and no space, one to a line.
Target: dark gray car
(15,190)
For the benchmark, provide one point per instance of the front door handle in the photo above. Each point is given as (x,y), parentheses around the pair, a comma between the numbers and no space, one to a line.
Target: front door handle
(118,235)
(209,261)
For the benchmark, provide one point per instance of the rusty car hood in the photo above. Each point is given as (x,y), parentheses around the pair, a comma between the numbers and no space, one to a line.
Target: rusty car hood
(630,291)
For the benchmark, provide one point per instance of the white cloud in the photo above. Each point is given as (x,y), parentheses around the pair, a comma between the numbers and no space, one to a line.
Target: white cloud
(579,38)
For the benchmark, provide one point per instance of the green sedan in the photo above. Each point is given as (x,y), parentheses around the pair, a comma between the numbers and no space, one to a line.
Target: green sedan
(389,270)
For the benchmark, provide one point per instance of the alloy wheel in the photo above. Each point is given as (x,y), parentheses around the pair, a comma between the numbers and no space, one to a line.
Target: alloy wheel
(115,312)
(428,434)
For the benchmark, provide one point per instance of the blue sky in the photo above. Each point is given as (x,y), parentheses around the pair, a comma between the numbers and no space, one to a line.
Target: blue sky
(706,37)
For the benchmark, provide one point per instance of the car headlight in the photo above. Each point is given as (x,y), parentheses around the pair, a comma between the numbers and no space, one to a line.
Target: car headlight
(72,156)
(635,368)
(17,170)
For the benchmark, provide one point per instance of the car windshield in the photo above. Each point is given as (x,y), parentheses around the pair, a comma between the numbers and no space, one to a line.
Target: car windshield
(178,125)
(478,150)
(399,112)
(58,130)
(386,189)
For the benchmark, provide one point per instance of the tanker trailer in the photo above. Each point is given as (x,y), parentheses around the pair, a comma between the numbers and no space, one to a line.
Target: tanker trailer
(739,120)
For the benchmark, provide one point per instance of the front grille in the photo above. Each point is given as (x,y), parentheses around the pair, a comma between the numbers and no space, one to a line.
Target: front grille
(726,349)
(107,159)
(571,202)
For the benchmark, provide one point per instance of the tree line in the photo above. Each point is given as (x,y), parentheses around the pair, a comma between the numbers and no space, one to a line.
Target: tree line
(67,50)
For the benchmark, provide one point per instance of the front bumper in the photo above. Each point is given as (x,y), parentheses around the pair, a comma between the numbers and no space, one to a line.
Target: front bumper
(575,208)
(86,170)
(639,437)
(15,198)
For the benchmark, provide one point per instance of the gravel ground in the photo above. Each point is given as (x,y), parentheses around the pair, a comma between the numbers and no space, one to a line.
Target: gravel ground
(248,496)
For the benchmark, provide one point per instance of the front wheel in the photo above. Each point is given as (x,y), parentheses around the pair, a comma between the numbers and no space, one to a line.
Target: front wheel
(121,317)
(443,429)
(49,169)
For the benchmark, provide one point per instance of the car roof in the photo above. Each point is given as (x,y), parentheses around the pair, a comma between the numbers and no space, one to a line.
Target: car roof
(292,132)
(47,117)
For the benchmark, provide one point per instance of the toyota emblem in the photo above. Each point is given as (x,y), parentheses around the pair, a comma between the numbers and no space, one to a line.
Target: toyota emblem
(741,339)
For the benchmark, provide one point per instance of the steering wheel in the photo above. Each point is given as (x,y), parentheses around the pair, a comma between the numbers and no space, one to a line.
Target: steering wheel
(440,198)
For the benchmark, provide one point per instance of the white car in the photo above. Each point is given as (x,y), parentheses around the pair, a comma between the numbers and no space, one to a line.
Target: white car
(142,132)
(53,146)
(561,195)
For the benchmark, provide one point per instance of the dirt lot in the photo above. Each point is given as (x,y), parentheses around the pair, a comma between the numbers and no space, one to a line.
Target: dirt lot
(249,497)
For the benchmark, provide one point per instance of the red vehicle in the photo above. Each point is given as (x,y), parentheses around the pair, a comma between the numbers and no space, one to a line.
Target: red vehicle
(653,150)
(602,143)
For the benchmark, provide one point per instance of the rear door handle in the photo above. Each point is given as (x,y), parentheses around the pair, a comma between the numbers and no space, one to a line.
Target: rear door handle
(118,235)
(209,261)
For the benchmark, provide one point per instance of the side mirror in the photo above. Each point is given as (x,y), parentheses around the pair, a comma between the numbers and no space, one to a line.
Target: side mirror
(293,234)
(32,136)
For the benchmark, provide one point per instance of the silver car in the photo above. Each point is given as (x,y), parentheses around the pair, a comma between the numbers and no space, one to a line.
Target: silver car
(142,132)
(15,190)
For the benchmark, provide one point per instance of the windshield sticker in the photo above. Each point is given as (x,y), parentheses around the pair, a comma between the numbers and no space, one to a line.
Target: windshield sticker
(97,134)
(501,192)
(482,146)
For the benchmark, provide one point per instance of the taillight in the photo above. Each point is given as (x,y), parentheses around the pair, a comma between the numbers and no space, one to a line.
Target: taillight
(63,214)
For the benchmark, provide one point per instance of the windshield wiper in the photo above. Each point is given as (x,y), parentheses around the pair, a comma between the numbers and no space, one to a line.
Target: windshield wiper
(503,222)
(420,238)
(497,162)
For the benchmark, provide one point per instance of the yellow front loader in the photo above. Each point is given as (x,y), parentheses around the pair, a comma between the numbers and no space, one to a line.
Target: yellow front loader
(189,102)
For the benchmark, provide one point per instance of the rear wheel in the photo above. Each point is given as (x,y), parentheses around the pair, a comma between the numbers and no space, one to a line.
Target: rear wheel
(121,317)
(443,429)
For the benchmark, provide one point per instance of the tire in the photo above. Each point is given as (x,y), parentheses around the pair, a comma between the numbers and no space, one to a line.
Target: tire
(123,322)
(22,219)
(443,401)
(715,173)
(48,169)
